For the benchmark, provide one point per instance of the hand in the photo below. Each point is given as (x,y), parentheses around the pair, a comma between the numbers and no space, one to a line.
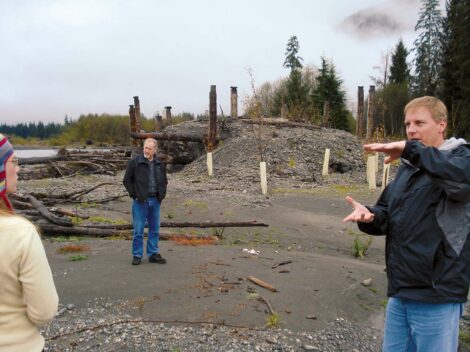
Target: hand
(360,213)
(394,150)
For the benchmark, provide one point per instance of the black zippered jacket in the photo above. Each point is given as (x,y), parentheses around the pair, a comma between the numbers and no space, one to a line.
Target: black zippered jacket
(425,214)
(136,178)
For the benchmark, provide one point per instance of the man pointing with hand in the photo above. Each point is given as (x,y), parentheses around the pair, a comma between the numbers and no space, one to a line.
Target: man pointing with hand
(425,215)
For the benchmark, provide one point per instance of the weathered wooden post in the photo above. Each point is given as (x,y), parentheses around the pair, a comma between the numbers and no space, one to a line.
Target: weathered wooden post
(137,113)
(158,123)
(132,125)
(326,162)
(360,112)
(370,112)
(233,102)
(371,179)
(168,114)
(326,113)
(212,135)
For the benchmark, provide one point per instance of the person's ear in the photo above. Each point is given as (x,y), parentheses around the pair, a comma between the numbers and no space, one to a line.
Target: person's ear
(441,126)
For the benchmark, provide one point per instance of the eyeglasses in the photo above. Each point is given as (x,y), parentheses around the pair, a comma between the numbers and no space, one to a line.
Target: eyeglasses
(14,161)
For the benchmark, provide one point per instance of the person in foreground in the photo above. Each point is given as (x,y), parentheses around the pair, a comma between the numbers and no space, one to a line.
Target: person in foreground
(146,182)
(425,214)
(28,297)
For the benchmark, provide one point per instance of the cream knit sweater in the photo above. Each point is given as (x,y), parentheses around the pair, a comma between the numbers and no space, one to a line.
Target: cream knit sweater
(28,297)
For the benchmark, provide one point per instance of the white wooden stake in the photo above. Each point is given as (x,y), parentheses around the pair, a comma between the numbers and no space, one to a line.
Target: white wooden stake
(376,162)
(371,172)
(263,176)
(326,162)
(209,164)
(385,175)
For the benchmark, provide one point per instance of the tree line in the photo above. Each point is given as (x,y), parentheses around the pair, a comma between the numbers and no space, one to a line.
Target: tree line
(88,128)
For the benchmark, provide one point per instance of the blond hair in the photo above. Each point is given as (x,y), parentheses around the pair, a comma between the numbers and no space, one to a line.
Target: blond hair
(435,106)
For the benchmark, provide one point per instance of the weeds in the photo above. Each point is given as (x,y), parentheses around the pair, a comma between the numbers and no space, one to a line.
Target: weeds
(384,303)
(360,244)
(273,320)
(218,232)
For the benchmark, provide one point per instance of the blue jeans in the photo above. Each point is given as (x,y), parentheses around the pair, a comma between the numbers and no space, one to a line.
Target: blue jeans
(423,327)
(142,212)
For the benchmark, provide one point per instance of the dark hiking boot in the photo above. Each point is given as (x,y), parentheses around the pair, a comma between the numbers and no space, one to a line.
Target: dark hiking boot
(157,258)
(136,260)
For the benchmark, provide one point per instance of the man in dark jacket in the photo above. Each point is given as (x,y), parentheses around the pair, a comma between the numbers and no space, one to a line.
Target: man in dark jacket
(425,214)
(145,181)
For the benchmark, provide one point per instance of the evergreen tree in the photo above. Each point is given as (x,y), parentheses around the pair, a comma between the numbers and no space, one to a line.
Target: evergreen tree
(427,48)
(455,73)
(329,89)
(399,70)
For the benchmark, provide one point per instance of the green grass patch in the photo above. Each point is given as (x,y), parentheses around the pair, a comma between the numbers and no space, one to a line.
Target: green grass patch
(464,338)
(105,220)
(77,257)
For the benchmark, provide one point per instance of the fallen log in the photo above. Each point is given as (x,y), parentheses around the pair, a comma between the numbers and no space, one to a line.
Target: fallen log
(55,230)
(159,136)
(205,224)
(281,123)
(40,160)
(47,214)
(261,283)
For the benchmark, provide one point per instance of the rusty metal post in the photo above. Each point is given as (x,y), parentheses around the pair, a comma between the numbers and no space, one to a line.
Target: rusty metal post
(234,102)
(168,115)
(137,113)
(370,112)
(132,125)
(158,123)
(360,112)
(212,119)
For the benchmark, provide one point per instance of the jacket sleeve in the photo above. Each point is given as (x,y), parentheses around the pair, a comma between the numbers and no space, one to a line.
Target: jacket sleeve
(450,170)
(380,210)
(128,180)
(39,292)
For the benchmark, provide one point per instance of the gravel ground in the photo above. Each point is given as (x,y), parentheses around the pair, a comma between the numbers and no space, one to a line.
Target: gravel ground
(102,326)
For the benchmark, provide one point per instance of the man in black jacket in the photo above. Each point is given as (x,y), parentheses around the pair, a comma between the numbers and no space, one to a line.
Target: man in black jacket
(425,214)
(145,181)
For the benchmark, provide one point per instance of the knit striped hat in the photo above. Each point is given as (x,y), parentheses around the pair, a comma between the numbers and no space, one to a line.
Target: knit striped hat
(6,150)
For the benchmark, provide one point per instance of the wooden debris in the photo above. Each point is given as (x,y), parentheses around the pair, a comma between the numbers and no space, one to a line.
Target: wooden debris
(268,304)
(47,214)
(261,283)
(282,263)
(204,224)
(281,123)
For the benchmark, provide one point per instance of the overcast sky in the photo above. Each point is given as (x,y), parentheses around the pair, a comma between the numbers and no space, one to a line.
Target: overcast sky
(73,57)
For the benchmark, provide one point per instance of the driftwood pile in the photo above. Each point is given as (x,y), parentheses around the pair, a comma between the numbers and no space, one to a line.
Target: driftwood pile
(42,210)
(70,163)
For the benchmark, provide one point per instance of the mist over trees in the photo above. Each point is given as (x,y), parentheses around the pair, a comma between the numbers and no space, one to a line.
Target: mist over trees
(441,68)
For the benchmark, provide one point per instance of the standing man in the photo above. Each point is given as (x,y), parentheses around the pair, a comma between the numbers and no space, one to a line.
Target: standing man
(425,214)
(145,181)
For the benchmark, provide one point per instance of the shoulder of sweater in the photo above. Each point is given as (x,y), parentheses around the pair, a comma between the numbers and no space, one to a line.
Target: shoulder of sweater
(15,222)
